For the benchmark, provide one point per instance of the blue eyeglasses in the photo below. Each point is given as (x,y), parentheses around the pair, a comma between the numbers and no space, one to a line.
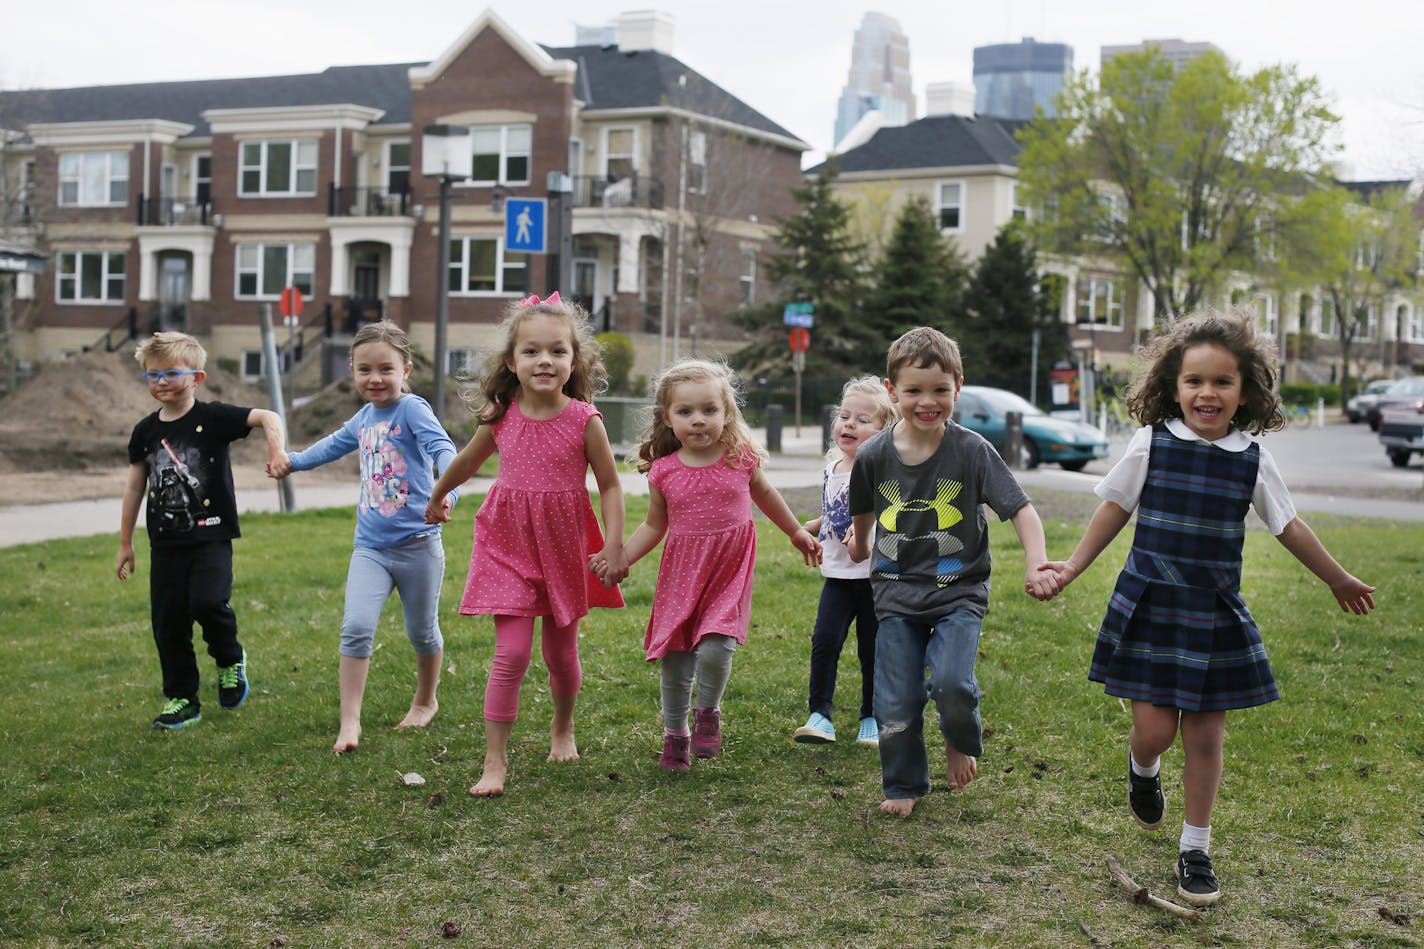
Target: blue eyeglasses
(172,375)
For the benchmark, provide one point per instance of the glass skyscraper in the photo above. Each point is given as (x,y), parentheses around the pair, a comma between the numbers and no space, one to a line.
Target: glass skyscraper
(1013,79)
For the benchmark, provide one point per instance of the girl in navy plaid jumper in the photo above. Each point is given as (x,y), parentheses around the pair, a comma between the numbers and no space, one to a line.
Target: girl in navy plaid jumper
(1177,639)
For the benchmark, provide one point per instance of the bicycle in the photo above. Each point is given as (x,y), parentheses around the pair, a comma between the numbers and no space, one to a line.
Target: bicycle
(1298,416)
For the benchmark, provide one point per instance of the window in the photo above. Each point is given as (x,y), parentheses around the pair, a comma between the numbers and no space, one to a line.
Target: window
(265,270)
(278,168)
(1327,318)
(1100,302)
(1369,326)
(460,362)
(1270,315)
(94,179)
(481,265)
(619,153)
(697,162)
(254,363)
(951,200)
(1017,211)
(748,276)
(203,179)
(1112,217)
(90,277)
(501,154)
(1413,322)
(398,168)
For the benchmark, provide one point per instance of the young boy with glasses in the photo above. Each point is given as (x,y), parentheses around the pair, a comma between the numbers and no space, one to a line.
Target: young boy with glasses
(178,457)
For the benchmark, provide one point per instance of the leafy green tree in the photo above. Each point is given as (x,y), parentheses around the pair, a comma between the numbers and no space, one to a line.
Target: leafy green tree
(920,280)
(1178,171)
(1006,303)
(821,264)
(1362,255)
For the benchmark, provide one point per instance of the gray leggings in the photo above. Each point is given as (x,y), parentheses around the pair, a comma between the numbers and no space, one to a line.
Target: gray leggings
(710,663)
(414,569)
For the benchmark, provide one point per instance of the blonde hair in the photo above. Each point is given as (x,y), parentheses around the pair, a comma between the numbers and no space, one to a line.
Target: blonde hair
(172,348)
(922,347)
(498,383)
(386,332)
(873,388)
(658,438)
(1153,397)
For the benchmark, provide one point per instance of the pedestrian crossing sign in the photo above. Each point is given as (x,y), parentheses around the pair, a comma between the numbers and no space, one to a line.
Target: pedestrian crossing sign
(524,225)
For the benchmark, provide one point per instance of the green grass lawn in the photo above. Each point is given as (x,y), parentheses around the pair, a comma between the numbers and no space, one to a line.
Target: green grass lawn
(245,830)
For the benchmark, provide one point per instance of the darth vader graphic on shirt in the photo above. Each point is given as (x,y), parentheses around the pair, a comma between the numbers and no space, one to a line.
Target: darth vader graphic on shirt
(190,497)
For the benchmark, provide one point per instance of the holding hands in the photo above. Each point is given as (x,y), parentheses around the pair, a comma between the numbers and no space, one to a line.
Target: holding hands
(279,466)
(438,510)
(1044,581)
(610,565)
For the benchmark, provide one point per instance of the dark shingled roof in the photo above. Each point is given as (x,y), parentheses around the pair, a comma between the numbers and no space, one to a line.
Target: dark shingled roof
(1365,190)
(610,78)
(936,141)
(379,87)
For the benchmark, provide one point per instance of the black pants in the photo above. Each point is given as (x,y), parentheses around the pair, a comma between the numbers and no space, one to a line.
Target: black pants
(188,585)
(841,602)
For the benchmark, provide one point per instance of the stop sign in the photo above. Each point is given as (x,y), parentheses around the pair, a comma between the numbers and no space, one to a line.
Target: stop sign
(800,339)
(290,303)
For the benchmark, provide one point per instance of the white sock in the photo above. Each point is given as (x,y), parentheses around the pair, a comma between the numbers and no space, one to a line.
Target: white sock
(1145,771)
(1195,838)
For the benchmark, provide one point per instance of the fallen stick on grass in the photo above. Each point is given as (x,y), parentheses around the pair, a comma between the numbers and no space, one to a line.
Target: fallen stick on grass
(1140,894)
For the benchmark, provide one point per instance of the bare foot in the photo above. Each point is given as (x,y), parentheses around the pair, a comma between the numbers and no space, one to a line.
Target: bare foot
(899,806)
(419,715)
(562,747)
(491,783)
(347,739)
(960,768)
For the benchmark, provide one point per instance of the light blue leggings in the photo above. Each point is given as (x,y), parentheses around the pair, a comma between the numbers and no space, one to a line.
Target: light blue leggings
(414,569)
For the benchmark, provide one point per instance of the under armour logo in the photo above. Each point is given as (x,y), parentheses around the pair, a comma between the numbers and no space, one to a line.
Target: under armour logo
(946,514)
(947,568)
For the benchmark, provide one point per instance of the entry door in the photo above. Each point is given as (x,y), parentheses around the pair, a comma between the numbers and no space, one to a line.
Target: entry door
(173,283)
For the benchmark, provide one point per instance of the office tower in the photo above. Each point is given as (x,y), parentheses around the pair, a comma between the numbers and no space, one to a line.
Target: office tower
(879,75)
(1175,51)
(1011,80)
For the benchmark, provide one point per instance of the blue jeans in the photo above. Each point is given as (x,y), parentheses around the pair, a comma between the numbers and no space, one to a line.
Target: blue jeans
(904,650)
(414,569)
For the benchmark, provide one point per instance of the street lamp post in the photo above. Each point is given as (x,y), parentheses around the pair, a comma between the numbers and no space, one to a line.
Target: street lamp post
(447,153)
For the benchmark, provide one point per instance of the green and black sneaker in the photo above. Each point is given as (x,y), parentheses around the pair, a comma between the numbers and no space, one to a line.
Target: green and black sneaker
(232,683)
(178,713)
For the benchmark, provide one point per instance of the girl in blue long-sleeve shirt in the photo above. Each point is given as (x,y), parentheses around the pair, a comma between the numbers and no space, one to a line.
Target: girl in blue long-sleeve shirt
(403,447)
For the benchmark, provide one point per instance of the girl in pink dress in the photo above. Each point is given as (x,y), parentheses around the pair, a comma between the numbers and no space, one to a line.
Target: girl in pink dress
(536,529)
(704,474)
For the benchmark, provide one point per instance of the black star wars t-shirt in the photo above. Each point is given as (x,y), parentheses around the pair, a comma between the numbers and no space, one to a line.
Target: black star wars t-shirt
(190,498)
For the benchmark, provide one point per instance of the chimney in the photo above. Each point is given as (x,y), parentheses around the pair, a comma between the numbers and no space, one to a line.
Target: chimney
(645,29)
(949,98)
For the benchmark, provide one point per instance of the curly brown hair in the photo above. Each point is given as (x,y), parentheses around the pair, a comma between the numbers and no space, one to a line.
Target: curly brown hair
(1153,395)
(498,384)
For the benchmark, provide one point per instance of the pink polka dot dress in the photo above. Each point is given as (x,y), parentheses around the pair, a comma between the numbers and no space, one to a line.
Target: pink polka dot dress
(709,556)
(536,529)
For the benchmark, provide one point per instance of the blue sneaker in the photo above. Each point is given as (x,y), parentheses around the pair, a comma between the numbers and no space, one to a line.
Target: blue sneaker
(818,730)
(232,683)
(869,733)
(178,713)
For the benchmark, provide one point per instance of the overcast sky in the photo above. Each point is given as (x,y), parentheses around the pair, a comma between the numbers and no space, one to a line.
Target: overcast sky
(786,58)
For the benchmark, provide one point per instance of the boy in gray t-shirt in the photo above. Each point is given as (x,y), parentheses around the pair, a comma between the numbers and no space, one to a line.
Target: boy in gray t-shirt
(918,488)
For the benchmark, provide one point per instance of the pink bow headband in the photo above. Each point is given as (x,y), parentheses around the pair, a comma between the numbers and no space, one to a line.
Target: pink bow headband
(533,299)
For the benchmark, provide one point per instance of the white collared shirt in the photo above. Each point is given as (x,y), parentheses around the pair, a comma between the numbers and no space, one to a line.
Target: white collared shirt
(1270,498)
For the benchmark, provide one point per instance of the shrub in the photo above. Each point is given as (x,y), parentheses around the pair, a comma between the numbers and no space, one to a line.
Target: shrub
(618,354)
(1305,393)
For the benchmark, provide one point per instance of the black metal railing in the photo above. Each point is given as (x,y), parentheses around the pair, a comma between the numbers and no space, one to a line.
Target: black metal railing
(127,328)
(367,202)
(168,212)
(628,192)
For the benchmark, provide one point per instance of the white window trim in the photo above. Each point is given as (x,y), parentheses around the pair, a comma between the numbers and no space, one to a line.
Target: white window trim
(296,170)
(107,257)
(747,277)
(1087,293)
(504,156)
(940,205)
(390,165)
(631,156)
(499,268)
(289,277)
(110,178)
(697,158)
(197,176)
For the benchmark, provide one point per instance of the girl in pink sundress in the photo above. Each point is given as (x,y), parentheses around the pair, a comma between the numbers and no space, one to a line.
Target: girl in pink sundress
(704,474)
(536,529)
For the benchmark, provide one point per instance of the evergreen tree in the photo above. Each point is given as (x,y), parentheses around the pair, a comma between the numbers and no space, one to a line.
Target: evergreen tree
(1005,303)
(920,280)
(821,264)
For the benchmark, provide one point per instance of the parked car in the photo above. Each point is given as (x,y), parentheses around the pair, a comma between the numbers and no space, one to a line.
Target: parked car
(1357,407)
(1401,429)
(1045,438)
(1401,392)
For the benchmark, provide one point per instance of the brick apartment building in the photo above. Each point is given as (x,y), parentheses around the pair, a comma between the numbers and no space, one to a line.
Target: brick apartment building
(189,205)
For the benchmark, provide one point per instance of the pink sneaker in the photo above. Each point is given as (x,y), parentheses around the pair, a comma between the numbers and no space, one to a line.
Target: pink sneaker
(706,732)
(674,756)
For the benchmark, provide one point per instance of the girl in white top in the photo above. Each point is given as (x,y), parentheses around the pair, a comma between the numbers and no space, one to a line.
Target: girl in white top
(845,596)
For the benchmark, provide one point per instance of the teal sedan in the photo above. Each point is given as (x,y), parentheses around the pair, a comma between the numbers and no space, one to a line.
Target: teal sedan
(1045,438)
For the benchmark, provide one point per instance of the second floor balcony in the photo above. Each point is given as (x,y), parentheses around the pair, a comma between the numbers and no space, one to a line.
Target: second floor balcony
(170,212)
(631,191)
(368,202)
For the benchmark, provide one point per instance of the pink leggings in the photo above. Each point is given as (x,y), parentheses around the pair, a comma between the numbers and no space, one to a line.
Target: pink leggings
(513,645)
